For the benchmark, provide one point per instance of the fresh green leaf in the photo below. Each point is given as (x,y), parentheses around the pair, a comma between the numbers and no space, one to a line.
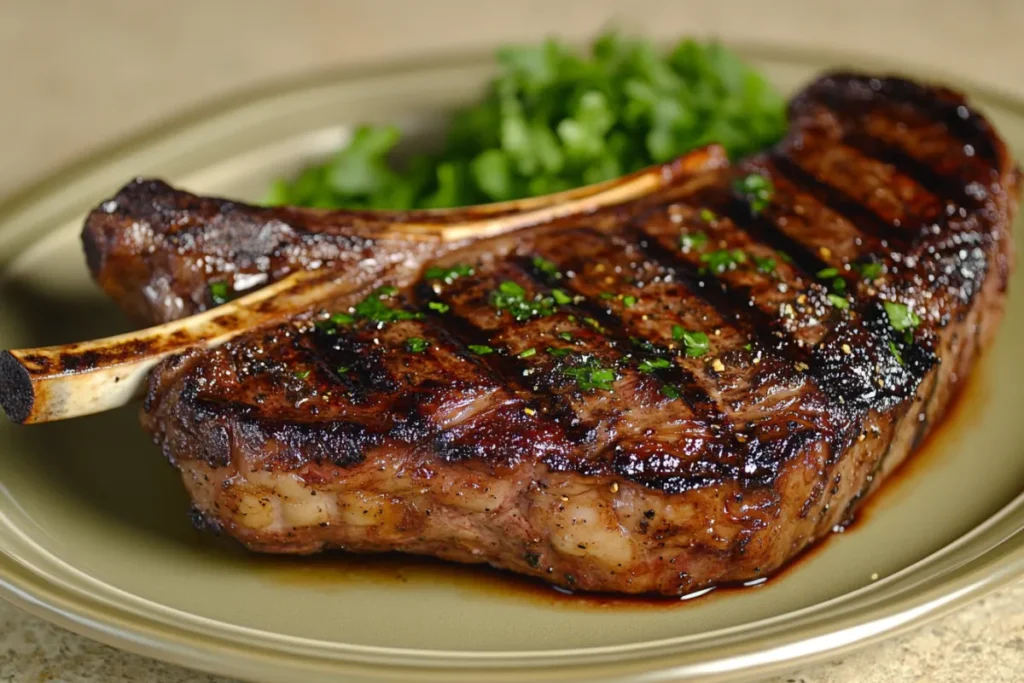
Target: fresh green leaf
(439,306)
(900,316)
(553,119)
(220,293)
(695,343)
(757,189)
(448,275)
(652,364)
(723,259)
(481,349)
(417,344)
(839,302)
(560,297)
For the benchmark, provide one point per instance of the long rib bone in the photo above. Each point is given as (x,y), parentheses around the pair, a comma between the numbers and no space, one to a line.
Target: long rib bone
(58,382)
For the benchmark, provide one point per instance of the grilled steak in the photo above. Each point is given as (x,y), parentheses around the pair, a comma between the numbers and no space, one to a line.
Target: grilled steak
(678,392)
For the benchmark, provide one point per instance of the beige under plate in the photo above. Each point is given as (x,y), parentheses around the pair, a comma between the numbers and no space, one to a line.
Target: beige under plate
(94,524)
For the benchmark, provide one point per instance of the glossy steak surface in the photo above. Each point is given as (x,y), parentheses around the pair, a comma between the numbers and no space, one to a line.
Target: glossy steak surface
(683,390)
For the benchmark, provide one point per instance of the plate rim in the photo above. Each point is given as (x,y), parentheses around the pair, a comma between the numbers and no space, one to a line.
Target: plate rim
(993,566)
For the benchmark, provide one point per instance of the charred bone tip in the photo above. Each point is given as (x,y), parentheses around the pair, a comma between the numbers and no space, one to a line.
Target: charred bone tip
(17,396)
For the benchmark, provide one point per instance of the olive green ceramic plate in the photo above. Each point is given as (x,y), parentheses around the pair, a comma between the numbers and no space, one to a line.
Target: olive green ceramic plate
(95,531)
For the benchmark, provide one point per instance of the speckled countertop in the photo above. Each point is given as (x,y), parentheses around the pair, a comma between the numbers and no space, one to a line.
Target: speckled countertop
(77,75)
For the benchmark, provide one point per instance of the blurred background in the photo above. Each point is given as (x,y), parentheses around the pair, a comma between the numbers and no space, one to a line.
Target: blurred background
(78,75)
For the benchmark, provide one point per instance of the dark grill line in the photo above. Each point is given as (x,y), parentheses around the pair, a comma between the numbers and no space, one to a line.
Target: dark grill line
(963,123)
(733,305)
(694,394)
(761,229)
(859,215)
(505,369)
(937,184)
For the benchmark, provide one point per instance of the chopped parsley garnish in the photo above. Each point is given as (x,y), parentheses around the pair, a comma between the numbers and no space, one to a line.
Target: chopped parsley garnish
(301,374)
(724,259)
(869,271)
(560,297)
(652,364)
(838,284)
(895,352)
(558,353)
(510,297)
(330,325)
(629,301)
(670,391)
(220,293)
(567,336)
(765,264)
(374,309)
(553,118)
(417,344)
(695,343)
(528,352)
(594,324)
(901,318)
(439,306)
(448,275)
(590,374)
(839,302)
(758,190)
(481,349)
(708,216)
(693,240)
(546,267)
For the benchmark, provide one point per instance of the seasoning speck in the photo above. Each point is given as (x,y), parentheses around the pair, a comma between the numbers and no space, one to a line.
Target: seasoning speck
(530,411)
(846,349)
(717,365)
(825,252)
(615,487)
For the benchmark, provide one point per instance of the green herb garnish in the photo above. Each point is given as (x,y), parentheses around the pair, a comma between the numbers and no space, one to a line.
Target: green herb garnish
(481,349)
(670,391)
(448,275)
(838,301)
(826,273)
(901,318)
(301,374)
(560,297)
(374,309)
(528,352)
(558,353)
(590,375)
(724,259)
(869,271)
(758,190)
(895,352)
(342,369)
(511,297)
(546,267)
(708,216)
(554,119)
(605,296)
(765,264)
(439,306)
(693,241)
(695,343)
(566,336)
(652,364)
(416,344)
(629,301)
(220,293)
